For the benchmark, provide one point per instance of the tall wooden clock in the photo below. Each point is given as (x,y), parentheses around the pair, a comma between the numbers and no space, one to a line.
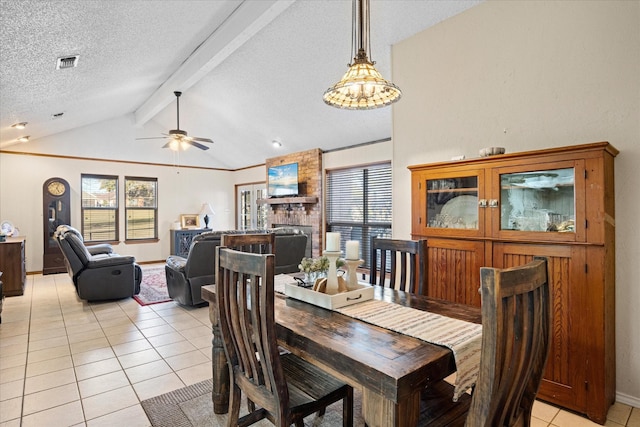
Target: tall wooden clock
(56,207)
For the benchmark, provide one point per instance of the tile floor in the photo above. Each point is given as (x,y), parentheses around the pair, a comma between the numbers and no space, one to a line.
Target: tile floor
(69,363)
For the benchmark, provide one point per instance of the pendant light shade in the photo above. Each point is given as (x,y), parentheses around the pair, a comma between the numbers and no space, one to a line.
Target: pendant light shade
(362,87)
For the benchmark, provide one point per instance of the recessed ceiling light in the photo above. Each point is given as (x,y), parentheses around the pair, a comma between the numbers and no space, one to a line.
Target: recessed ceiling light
(57,115)
(276,143)
(20,125)
(23,138)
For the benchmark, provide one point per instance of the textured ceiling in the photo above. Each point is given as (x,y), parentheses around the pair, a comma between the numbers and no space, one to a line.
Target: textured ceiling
(251,72)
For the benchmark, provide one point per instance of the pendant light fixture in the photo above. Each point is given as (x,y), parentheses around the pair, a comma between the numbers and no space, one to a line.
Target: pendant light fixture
(362,87)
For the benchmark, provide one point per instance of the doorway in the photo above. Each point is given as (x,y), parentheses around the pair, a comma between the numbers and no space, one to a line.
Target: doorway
(250,215)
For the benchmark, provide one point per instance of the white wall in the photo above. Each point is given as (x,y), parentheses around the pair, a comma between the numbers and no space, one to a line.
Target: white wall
(250,175)
(359,155)
(552,73)
(180,191)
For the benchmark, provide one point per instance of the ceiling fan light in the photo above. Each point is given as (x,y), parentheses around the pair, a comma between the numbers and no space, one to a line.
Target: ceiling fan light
(178,138)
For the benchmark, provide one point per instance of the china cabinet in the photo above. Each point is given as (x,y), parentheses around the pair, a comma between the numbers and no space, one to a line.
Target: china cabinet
(502,211)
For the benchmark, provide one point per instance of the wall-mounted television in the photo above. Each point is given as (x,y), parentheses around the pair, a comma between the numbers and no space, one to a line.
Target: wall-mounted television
(282,180)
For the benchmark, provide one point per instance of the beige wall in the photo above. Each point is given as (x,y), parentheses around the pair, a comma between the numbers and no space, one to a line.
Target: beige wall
(527,75)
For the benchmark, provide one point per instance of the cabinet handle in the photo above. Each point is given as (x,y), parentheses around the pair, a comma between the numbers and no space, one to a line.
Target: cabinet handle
(493,203)
(482,203)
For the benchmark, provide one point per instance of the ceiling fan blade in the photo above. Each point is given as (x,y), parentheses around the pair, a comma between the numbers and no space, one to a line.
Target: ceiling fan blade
(153,137)
(196,138)
(196,144)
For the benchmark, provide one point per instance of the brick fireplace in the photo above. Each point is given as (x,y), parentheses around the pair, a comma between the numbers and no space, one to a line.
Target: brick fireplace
(306,209)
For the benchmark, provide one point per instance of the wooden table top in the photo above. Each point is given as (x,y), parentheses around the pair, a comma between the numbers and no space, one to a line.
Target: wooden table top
(389,363)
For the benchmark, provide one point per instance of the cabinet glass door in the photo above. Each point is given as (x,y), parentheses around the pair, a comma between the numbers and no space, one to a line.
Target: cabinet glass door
(452,203)
(542,201)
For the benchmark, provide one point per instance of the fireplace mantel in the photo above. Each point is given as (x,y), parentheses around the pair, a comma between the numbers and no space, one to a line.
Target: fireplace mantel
(287,200)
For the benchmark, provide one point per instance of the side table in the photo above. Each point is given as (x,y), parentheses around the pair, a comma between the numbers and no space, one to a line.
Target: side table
(181,240)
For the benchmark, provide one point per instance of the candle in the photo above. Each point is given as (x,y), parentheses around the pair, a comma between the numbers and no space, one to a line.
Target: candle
(352,249)
(333,242)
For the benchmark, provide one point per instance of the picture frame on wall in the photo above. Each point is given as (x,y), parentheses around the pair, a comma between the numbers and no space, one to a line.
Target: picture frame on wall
(190,221)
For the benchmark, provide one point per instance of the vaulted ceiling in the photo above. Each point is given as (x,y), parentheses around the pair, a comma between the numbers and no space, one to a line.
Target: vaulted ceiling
(250,71)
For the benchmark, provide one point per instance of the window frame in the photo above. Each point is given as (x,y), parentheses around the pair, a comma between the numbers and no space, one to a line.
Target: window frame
(87,234)
(146,208)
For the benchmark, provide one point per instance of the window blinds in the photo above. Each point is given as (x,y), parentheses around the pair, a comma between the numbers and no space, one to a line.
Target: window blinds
(359,204)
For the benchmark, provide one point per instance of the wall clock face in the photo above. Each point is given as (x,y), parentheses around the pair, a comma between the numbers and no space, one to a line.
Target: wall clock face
(56,188)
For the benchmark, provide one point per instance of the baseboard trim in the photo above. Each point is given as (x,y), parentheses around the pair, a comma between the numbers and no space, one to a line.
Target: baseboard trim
(628,400)
(162,261)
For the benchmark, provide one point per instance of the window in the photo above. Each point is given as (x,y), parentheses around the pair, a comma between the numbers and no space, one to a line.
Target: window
(141,208)
(99,207)
(359,204)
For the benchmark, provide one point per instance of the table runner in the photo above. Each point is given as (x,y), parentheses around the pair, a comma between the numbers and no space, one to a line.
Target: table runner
(463,338)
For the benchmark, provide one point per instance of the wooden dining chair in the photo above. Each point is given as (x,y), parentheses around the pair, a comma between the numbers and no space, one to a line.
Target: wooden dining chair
(284,387)
(262,243)
(407,264)
(516,331)
(256,243)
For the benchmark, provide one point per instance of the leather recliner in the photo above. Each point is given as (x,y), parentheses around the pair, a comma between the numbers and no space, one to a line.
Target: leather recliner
(289,251)
(97,272)
(185,276)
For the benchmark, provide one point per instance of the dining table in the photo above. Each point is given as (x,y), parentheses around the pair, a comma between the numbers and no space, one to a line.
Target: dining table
(389,368)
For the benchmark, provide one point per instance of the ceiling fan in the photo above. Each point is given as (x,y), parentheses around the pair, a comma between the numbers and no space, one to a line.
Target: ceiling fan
(178,138)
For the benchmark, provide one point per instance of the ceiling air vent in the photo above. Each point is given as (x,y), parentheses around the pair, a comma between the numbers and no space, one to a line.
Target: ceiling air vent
(67,62)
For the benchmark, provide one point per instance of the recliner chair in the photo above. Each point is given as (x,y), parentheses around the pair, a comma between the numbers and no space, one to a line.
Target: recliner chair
(185,276)
(289,251)
(100,248)
(97,272)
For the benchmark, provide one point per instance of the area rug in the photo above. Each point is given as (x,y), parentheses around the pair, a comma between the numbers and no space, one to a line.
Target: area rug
(153,289)
(192,407)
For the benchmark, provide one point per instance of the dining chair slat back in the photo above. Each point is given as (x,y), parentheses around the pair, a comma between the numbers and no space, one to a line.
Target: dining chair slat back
(283,387)
(263,243)
(516,331)
(406,261)
(516,328)
(256,243)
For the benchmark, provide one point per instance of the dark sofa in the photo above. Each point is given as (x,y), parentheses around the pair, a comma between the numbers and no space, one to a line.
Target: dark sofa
(185,276)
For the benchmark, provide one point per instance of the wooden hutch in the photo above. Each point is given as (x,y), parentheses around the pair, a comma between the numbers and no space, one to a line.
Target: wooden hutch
(503,210)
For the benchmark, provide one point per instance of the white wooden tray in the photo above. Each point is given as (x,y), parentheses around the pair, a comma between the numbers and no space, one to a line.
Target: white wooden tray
(331,302)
